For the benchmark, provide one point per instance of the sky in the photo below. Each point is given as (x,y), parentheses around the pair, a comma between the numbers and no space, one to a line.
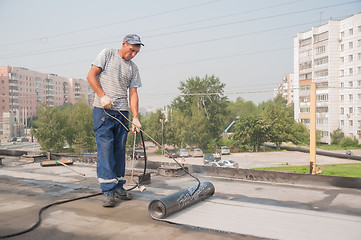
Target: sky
(248,45)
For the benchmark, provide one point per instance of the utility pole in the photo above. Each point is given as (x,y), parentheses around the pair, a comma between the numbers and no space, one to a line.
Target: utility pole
(313,128)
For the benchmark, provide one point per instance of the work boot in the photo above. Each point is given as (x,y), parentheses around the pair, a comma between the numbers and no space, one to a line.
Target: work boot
(122,194)
(108,199)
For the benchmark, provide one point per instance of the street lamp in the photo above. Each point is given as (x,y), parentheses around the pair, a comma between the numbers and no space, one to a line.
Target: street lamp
(162,121)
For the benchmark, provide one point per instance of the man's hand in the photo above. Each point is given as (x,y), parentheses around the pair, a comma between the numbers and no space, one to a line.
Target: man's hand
(136,125)
(106,102)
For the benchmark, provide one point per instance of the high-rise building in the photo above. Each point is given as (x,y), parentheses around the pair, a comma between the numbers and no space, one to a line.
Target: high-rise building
(330,56)
(23,91)
(285,88)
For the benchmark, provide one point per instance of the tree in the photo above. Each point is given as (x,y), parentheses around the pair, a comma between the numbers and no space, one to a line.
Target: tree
(251,130)
(51,123)
(80,128)
(280,121)
(203,103)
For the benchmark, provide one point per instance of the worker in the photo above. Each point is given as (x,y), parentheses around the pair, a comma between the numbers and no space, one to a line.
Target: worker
(111,75)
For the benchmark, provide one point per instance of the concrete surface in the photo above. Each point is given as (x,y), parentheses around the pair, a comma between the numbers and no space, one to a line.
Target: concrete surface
(27,187)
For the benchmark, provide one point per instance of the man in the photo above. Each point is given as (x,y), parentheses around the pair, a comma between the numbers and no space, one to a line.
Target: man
(111,75)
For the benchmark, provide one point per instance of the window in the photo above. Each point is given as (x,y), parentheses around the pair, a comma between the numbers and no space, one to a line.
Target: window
(359,28)
(342,111)
(359,83)
(321,121)
(342,34)
(306,65)
(321,109)
(321,73)
(342,98)
(322,98)
(320,37)
(350,31)
(350,58)
(350,71)
(350,123)
(321,49)
(350,97)
(359,123)
(350,110)
(342,47)
(358,70)
(305,42)
(350,84)
(359,43)
(342,122)
(359,96)
(359,110)
(342,59)
(359,56)
(342,73)
(321,61)
(341,85)
(350,45)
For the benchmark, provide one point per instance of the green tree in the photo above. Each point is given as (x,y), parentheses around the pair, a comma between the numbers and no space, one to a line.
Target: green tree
(280,121)
(251,130)
(80,128)
(50,132)
(206,95)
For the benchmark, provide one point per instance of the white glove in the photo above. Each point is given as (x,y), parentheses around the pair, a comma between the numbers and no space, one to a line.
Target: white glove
(136,125)
(106,102)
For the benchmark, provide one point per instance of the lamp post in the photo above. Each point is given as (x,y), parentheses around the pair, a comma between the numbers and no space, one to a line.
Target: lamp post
(162,121)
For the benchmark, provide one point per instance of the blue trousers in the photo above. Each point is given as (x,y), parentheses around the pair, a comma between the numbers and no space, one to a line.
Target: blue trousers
(111,139)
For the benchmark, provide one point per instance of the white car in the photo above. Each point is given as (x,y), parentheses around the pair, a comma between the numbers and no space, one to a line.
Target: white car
(215,164)
(225,150)
(183,153)
(228,163)
(197,152)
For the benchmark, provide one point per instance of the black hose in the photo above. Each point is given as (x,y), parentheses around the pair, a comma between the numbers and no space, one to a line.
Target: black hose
(145,165)
(37,224)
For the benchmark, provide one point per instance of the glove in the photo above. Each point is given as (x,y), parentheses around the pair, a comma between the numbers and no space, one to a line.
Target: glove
(106,102)
(136,125)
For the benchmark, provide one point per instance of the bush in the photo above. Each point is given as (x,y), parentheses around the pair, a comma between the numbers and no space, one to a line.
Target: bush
(349,142)
(337,136)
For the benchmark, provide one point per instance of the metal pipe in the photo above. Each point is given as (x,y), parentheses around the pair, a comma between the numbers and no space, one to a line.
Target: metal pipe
(161,208)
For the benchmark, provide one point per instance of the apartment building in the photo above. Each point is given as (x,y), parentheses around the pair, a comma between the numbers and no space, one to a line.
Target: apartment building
(285,88)
(330,56)
(23,91)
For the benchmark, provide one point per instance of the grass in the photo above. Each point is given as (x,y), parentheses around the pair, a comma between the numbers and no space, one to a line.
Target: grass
(342,170)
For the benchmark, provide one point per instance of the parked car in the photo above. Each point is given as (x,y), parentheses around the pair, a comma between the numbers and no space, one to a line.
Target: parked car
(225,150)
(229,163)
(23,139)
(13,139)
(215,164)
(171,153)
(217,155)
(138,154)
(183,153)
(208,158)
(197,152)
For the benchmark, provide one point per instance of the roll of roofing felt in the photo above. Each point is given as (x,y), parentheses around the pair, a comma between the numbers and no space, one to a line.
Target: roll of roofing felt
(161,208)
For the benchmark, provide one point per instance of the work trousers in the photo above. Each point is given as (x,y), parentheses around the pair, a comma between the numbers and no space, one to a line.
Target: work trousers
(111,139)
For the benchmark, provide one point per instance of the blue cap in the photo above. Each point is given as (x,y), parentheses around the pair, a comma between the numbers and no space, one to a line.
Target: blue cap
(133,39)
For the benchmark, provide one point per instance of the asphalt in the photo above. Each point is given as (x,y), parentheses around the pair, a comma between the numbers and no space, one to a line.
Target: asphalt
(27,187)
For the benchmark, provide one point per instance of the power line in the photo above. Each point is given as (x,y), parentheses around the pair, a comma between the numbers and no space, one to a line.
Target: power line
(111,24)
(196,29)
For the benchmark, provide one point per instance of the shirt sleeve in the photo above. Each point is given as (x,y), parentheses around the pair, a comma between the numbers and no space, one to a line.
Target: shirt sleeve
(135,82)
(100,60)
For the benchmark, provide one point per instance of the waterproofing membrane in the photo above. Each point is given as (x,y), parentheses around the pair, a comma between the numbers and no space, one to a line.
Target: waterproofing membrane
(267,221)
